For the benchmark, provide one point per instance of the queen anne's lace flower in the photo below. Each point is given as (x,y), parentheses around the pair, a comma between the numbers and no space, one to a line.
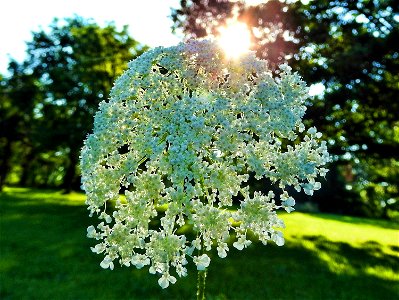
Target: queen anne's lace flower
(181,132)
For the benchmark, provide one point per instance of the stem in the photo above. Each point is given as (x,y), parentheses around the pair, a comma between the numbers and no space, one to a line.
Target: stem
(201,285)
(201,280)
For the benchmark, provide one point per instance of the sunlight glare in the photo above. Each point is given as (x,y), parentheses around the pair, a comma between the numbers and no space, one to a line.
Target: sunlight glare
(235,39)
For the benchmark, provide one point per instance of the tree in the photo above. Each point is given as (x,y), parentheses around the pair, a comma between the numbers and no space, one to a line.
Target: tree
(355,58)
(18,94)
(76,62)
(349,47)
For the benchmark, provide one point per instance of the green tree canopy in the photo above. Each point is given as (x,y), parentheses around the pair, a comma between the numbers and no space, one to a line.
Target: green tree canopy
(75,62)
(18,96)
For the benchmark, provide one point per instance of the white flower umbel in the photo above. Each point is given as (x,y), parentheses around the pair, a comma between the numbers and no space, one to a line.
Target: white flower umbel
(183,128)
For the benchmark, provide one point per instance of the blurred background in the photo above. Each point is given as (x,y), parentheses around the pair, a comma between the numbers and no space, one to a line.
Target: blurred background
(58,60)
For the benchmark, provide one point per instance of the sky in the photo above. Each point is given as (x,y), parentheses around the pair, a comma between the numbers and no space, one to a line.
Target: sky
(148,21)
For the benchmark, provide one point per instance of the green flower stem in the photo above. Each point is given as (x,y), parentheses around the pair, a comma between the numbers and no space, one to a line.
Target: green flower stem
(201,281)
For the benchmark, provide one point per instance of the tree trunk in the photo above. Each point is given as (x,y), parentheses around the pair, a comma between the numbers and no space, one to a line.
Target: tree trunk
(26,169)
(70,175)
(5,164)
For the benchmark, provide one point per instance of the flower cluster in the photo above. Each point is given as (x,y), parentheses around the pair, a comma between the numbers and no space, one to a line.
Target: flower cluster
(173,147)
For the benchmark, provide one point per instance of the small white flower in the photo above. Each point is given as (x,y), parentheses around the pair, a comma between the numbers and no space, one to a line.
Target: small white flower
(317,186)
(165,279)
(289,202)
(312,130)
(190,250)
(181,271)
(308,189)
(242,243)
(239,245)
(197,243)
(140,261)
(289,209)
(278,238)
(107,263)
(217,153)
(323,172)
(163,282)
(202,262)
(91,231)
(222,250)
(108,219)
(99,248)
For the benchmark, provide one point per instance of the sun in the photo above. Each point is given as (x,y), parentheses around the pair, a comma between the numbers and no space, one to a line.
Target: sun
(235,39)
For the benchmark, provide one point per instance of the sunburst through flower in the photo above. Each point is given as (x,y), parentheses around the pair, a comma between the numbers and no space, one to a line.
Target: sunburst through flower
(234,38)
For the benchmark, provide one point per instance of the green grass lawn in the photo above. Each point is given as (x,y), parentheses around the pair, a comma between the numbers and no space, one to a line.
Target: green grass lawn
(44,254)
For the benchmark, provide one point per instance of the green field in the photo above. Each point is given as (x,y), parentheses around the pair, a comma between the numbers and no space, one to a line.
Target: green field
(44,254)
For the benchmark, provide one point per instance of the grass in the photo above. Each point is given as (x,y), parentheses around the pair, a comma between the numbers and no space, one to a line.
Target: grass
(44,254)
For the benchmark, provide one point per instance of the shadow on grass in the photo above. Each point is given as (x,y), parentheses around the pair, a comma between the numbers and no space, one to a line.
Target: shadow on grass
(45,255)
(326,270)
(368,259)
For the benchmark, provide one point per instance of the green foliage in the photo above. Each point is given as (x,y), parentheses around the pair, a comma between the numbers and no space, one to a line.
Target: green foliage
(55,92)
(45,255)
(18,97)
(352,53)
